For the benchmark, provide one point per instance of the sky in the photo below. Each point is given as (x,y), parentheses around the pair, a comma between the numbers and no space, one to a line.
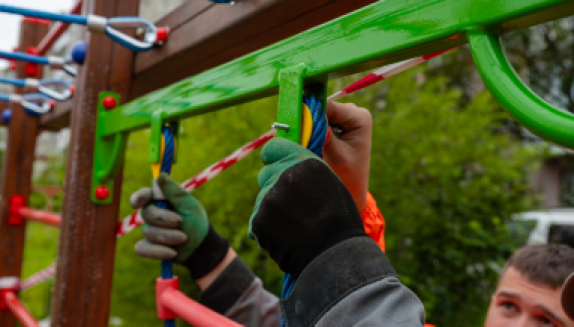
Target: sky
(10,24)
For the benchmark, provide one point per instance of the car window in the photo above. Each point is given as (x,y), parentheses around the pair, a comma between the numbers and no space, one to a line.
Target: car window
(563,234)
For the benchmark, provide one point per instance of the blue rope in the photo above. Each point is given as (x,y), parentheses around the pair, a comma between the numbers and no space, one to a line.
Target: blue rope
(12,81)
(316,143)
(167,162)
(66,18)
(25,57)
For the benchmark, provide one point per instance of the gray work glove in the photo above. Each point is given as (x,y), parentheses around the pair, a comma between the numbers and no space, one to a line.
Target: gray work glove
(183,234)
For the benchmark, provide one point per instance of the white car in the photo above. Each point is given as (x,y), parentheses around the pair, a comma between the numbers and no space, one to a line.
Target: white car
(543,226)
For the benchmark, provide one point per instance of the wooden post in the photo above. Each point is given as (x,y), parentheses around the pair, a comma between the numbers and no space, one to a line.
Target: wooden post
(83,286)
(17,169)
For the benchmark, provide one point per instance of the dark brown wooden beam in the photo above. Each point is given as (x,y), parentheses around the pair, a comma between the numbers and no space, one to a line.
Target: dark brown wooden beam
(17,170)
(85,266)
(217,34)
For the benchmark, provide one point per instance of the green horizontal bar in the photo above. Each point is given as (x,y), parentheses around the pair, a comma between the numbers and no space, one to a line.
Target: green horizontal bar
(382,33)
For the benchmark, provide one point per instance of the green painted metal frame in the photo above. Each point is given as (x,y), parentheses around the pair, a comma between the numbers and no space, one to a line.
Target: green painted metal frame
(382,33)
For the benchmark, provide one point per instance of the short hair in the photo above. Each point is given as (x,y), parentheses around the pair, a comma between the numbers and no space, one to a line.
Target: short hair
(544,264)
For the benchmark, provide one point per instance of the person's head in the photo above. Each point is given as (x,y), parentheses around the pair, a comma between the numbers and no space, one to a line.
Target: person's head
(528,293)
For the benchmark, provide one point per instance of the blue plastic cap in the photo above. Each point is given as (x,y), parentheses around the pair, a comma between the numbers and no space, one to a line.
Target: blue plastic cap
(79,52)
(6,115)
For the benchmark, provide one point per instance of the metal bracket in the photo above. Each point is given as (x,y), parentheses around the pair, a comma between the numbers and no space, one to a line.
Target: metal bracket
(290,101)
(109,153)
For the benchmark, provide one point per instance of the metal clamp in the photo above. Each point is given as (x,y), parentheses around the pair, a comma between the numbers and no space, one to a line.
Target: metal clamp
(149,29)
(60,96)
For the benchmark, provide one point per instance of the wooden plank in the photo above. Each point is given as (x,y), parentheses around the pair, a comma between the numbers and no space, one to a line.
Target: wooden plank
(220,34)
(83,286)
(17,170)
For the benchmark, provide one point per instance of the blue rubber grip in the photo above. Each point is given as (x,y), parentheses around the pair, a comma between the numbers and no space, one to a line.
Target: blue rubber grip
(66,18)
(12,81)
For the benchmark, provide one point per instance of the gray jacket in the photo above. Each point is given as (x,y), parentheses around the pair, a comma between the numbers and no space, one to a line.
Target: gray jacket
(350,284)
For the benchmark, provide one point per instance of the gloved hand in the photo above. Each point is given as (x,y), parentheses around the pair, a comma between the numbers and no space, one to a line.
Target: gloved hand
(303,208)
(183,234)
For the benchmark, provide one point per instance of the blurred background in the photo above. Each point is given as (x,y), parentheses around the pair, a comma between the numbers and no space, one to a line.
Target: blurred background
(460,184)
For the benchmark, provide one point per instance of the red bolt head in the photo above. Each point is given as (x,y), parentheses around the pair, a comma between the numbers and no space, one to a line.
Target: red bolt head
(109,102)
(32,51)
(161,35)
(31,70)
(17,200)
(72,89)
(52,104)
(102,193)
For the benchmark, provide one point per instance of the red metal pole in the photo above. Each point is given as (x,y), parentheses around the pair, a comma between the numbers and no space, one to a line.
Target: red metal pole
(56,31)
(45,217)
(193,312)
(19,310)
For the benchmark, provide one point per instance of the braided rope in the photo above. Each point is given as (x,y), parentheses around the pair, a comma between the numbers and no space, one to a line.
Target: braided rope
(316,143)
(168,156)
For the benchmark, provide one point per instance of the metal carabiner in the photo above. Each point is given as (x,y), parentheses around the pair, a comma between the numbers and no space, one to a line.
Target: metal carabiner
(149,29)
(60,96)
(35,103)
(63,64)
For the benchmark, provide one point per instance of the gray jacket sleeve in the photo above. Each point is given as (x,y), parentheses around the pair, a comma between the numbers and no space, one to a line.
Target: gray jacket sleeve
(351,284)
(240,296)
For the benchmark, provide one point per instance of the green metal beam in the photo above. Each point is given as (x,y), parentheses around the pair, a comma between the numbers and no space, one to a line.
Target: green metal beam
(539,116)
(382,33)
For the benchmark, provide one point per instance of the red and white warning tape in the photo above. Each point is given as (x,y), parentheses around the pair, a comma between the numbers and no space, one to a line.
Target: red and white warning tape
(132,221)
(384,73)
(39,277)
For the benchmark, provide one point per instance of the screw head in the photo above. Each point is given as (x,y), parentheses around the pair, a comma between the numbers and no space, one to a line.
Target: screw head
(32,51)
(101,193)
(161,35)
(109,102)
(6,115)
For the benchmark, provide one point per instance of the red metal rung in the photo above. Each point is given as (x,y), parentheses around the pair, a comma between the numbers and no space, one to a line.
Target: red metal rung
(160,286)
(45,217)
(172,303)
(18,309)
(15,203)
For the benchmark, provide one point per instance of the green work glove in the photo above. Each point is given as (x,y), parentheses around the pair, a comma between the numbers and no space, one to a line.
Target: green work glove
(183,234)
(303,208)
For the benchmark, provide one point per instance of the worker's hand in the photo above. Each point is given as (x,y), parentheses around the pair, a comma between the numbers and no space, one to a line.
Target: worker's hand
(180,233)
(349,154)
(303,207)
